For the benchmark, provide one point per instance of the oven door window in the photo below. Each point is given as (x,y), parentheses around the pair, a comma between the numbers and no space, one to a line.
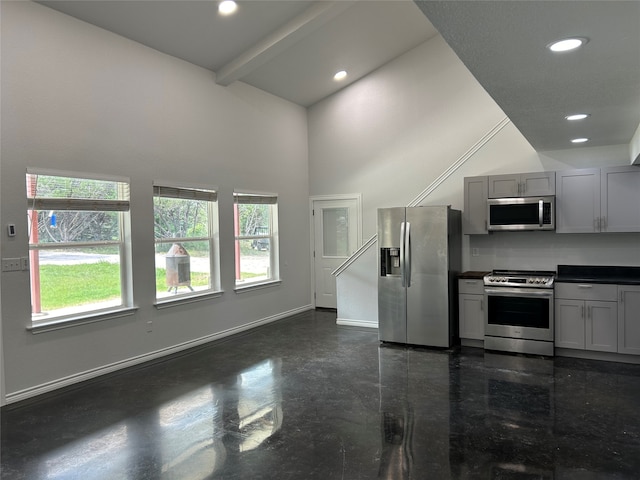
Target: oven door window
(519,311)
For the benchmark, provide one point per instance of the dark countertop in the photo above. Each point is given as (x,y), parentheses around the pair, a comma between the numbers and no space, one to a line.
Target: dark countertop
(473,275)
(598,274)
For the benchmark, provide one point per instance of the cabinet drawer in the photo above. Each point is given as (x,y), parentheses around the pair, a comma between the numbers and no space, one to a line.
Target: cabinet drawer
(471,285)
(587,291)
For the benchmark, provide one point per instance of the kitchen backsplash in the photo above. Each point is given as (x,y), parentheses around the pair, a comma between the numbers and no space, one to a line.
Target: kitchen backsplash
(546,250)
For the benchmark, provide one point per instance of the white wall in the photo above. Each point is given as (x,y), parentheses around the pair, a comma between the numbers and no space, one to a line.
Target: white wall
(78,98)
(391,134)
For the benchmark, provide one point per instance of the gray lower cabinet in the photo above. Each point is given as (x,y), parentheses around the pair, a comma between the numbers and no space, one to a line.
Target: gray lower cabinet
(471,308)
(586,316)
(598,317)
(629,319)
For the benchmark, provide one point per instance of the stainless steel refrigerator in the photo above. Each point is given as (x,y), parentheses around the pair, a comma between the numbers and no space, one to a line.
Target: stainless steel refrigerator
(419,259)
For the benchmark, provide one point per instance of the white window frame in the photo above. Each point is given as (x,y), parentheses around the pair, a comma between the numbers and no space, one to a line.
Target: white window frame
(259,198)
(46,323)
(209,194)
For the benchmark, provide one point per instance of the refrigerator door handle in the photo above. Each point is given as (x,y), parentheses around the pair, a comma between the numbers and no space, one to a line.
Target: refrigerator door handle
(402,255)
(407,253)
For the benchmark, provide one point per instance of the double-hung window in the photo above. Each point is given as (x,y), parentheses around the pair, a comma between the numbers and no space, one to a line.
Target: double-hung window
(79,249)
(186,242)
(256,238)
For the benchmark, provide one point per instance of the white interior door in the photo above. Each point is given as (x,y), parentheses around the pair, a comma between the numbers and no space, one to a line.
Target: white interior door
(336,225)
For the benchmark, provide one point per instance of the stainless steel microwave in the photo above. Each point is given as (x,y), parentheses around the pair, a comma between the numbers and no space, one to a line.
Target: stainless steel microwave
(522,213)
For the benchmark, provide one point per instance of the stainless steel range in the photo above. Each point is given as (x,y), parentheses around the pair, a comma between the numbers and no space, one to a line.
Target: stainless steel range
(519,313)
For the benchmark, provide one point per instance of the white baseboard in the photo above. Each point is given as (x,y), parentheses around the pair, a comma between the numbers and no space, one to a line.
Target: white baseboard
(356,323)
(130,362)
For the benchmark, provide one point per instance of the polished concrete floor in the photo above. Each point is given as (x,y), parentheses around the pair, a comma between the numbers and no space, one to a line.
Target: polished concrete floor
(305,399)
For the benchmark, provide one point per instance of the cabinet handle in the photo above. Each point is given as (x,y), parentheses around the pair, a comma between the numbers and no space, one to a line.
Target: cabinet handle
(585,286)
(470,282)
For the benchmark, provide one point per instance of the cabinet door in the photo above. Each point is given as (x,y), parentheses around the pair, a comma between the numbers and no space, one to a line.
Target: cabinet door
(602,326)
(620,202)
(538,184)
(471,316)
(629,319)
(569,324)
(474,216)
(577,200)
(501,186)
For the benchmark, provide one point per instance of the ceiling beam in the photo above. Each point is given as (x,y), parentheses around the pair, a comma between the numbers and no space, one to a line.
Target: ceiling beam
(277,42)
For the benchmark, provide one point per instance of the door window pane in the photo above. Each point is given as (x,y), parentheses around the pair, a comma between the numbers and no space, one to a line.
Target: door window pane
(335,232)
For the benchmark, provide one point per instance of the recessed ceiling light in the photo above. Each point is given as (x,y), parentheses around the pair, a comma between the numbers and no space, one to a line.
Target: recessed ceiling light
(342,74)
(227,7)
(579,140)
(577,116)
(567,44)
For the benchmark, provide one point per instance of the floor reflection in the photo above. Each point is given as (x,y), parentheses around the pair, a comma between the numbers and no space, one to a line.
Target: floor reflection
(306,399)
(415,413)
(221,421)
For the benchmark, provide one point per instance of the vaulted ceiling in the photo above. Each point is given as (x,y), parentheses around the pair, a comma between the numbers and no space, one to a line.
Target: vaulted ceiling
(292,49)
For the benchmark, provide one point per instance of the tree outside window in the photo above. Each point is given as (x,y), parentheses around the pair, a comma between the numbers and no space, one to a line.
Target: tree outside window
(185,231)
(256,239)
(78,256)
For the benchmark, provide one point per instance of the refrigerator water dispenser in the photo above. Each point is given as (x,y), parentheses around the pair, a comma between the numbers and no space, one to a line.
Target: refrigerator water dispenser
(389,262)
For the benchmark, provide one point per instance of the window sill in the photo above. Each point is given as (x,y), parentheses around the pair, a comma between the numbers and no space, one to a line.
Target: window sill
(175,301)
(43,326)
(256,286)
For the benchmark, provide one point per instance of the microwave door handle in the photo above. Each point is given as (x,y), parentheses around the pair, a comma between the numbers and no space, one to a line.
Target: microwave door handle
(540,211)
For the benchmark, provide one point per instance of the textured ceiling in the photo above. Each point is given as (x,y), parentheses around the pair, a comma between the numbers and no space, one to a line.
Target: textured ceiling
(292,48)
(288,48)
(503,43)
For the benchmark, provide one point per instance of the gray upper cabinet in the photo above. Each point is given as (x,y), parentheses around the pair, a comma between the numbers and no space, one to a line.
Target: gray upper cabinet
(620,199)
(474,216)
(598,200)
(577,200)
(522,185)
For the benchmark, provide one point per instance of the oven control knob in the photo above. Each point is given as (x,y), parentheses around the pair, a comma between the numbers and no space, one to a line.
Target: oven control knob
(503,279)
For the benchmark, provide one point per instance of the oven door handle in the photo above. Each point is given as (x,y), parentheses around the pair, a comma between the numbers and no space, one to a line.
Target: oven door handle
(519,292)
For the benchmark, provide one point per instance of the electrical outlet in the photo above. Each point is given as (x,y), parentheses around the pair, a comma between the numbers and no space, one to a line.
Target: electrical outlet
(475,252)
(10,264)
(25,263)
